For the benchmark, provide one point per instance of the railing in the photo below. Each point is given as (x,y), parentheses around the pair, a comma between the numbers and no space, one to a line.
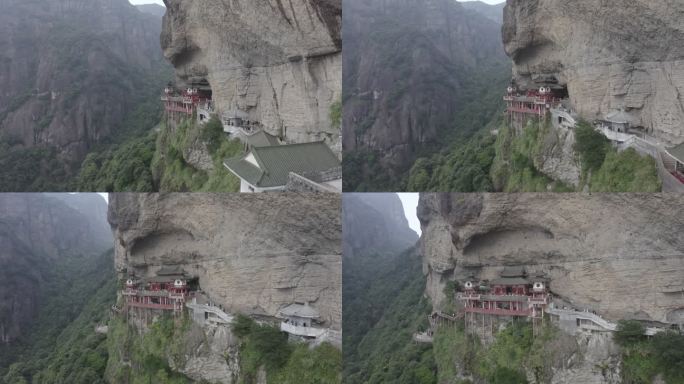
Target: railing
(177,99)
(533,99)
(176,108)
(467,296)
(299,183)
(331,336)
(301,331)
(614,136)
(525,110)
(151,305)
(226,318)
(665,163)
(499,311)
(600,323)
(538,301)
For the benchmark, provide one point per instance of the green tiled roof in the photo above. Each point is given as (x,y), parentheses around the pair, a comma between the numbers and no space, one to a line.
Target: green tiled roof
(276,163)
(261,139)
(677,152)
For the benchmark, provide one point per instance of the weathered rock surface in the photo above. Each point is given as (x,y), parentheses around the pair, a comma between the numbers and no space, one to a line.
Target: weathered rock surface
(621,255)
(36,231)
(197,155)
(588,357)
(618,54)
(253,254)
(71,70)
(557,158)
(409,68)
(211,354)
(279,61)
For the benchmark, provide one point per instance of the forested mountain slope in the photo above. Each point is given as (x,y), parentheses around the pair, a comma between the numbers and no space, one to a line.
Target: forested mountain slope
(73,73)
(417,76)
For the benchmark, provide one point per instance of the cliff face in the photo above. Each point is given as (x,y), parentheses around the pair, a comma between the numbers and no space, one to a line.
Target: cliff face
(279,61)
(620,255)
(410,67)
(37,231)
(70,71)
(610,55)
(253,254)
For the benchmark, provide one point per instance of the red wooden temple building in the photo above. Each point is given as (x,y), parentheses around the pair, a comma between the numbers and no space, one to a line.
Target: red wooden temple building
(168,290)
(533,104)
(512,294)
(186,101)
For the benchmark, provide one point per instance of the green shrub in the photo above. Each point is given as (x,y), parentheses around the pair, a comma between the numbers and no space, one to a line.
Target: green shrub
(172,173)
(125,167)
(212,134)
(629,332)
(626,171)
(668,351)
(591,146)
(243,326)
(336,114)
(504,375)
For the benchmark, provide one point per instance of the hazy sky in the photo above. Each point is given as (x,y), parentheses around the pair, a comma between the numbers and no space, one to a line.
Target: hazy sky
(160,2)
(410,203)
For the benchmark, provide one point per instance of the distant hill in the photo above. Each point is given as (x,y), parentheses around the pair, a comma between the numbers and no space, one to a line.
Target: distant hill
(152,9)
(71,74)
(492,12)
(410,71)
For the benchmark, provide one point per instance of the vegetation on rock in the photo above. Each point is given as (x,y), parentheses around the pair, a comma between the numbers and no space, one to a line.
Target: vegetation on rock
(144,358)
(171,170)
(63,346)
(644,359)
(266,347)
(379,325)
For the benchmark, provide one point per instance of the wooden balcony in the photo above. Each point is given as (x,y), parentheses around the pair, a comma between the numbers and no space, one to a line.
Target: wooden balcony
(152,306)
(525,110)
(500,312)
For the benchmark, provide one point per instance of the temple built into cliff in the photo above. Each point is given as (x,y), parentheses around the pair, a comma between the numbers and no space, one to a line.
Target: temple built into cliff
(550,101)
(182,104)
(515,294)
(168,290)
(512,294)
(268,163)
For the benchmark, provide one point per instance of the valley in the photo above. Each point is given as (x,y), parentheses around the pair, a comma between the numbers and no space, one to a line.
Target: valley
(191,288)
(520,288)
(590,106)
